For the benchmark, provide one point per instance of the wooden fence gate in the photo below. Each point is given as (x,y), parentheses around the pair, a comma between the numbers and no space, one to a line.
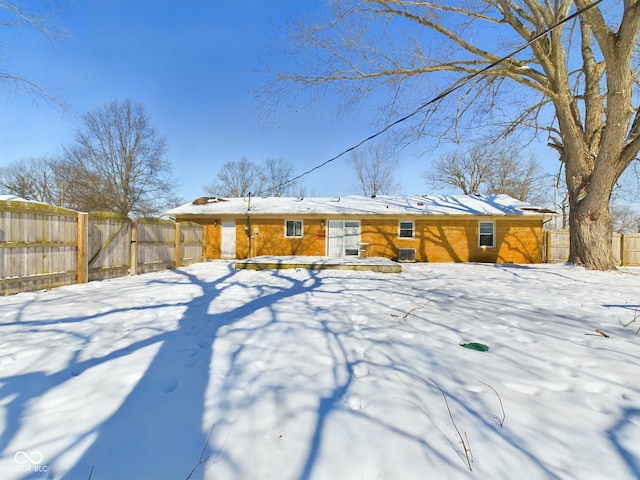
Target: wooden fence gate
(109,246)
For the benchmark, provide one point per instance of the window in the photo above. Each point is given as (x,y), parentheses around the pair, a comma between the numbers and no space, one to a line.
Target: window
(486,235)
(406,230)
(293,228)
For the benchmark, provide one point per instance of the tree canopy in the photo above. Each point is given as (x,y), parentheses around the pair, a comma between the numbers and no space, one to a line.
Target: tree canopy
(38,19)
(566,70)
(118,162)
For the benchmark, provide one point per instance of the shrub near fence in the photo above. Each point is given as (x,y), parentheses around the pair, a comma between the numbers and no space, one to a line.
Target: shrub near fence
(626,247)
(43,246)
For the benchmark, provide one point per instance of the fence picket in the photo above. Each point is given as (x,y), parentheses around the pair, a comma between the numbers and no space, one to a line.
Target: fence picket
(625,247)
(42,246)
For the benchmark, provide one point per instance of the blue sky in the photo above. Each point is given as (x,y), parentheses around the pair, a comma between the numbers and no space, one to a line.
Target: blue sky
(195,65)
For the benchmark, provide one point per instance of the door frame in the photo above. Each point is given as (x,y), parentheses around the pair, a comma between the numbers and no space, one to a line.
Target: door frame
(356,245)
(228,239)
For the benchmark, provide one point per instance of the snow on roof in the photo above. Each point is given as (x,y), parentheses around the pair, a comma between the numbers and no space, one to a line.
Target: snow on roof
(362,205)
(12,197)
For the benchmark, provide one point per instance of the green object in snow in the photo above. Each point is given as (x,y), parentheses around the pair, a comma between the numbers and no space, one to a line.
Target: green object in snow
(481,347)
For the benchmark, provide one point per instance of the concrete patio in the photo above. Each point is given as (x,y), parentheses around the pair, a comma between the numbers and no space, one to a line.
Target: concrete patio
(372,264)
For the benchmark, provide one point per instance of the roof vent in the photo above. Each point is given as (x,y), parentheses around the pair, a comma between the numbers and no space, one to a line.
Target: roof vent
(205,200)
(335,199)
(537,209)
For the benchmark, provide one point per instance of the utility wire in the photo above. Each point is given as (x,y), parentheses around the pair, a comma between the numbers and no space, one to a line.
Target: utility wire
(443,94)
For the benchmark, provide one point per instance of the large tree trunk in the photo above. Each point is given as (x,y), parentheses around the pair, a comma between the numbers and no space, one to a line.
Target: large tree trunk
(591,231)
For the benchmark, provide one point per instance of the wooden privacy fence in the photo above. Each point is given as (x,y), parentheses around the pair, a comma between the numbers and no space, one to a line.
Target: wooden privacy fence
(626,247)
(43,246)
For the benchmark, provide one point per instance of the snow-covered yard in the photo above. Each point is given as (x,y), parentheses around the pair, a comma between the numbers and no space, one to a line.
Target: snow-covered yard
(299,374)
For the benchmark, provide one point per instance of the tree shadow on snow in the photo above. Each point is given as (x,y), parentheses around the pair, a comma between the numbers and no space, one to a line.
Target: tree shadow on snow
(160,430)
(160,423)
(22,390)
(621,435)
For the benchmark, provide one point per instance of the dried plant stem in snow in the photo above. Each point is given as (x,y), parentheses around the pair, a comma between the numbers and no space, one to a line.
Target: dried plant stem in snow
(500,420)
(404,317)
(464,440)
(202,460)
(635,317)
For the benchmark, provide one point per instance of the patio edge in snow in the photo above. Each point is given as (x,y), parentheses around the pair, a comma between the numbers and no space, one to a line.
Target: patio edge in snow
(375,264)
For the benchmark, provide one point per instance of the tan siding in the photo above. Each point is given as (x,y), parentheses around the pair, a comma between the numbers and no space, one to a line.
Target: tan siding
(271,239)
(519,241)
(450,240)
(212,246)
(439,239)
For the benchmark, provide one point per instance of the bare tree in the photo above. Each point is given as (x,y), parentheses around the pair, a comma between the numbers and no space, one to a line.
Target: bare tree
(38,18)
(375,165)
(468,171)
(573,78)
(274,178)
(625,218)
(32,179)
(118,163)
(625,211)
(236,179)
(489,170)
(83,189)
(560,200)
(519,178)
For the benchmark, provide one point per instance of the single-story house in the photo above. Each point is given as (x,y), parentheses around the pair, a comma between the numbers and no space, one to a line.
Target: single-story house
(422,228)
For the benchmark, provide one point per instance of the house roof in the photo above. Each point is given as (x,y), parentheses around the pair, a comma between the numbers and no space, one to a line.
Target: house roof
(411,205)
(12,197)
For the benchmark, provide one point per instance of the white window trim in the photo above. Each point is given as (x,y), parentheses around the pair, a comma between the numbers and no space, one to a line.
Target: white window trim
(493,234)
(413,228)
(301,229)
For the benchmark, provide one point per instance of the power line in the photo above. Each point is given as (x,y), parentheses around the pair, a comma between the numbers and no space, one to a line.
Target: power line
(443,94)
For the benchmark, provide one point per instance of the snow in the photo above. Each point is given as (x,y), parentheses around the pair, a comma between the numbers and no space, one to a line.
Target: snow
(12,198)
(324,374)
(362,205)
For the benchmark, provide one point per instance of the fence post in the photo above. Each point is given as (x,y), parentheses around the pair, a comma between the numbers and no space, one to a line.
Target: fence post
(204,243)
(547,246)
(83,248)
(623,250)
(133,267)
(176,259)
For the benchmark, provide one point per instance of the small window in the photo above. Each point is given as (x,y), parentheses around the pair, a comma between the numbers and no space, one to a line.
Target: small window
(293,228)
(406,230)
(486,237)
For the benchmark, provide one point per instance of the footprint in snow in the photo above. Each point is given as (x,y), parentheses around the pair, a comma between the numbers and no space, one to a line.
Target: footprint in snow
(191,361)
(598,406)
(7,359)
(355,403)
(360,371)
(361,351)
(359,319)
(524,339)
(594,387)
(522,388)
(170,385)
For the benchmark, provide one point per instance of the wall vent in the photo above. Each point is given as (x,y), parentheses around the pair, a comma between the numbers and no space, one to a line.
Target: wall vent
(406,254)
